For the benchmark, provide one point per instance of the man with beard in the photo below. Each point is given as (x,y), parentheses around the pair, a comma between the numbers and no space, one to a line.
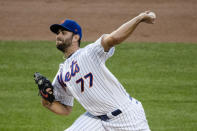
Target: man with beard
(84,76)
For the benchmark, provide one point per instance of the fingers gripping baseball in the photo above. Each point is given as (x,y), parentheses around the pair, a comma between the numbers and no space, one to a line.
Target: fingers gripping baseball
(45,87)
(148,17)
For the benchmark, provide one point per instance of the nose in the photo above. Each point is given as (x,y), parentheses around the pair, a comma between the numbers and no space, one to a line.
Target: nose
(58,35)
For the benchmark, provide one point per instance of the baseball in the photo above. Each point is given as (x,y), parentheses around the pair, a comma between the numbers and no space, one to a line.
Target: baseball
(152,15)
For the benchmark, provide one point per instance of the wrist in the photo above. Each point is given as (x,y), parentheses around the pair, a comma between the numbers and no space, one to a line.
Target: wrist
(46,103)
(141,17)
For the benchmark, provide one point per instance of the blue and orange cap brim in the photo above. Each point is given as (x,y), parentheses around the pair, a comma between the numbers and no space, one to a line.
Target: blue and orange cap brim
(55,27)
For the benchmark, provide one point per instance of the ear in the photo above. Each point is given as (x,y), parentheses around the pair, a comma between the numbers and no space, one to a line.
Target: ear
(76,38)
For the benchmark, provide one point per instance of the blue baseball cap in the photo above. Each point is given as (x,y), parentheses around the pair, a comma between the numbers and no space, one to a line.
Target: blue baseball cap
(69,25)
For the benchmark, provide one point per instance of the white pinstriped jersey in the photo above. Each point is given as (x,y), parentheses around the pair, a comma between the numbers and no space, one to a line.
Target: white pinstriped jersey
(85,77)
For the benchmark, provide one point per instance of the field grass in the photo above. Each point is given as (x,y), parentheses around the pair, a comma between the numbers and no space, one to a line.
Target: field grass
(163,76)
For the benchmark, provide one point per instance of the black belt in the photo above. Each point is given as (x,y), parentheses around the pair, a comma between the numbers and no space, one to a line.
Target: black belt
(114,113)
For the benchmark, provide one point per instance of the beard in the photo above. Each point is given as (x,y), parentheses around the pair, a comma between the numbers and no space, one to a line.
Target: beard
(63,45)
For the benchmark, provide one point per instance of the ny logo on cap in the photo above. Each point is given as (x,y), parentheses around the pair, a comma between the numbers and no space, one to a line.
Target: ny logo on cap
(62,21)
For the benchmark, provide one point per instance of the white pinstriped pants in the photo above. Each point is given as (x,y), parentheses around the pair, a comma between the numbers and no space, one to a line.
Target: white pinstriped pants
(132,118)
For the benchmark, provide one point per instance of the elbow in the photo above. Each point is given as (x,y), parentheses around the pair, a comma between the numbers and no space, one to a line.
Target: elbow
(57,107)
(62,114)
(67,111)
(66,114)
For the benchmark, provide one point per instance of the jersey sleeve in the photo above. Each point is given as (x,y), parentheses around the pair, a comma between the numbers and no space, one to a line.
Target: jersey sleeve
(97,53)
(61,94)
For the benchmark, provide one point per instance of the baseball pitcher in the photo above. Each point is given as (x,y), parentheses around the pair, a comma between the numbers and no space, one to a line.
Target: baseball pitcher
(84,76)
